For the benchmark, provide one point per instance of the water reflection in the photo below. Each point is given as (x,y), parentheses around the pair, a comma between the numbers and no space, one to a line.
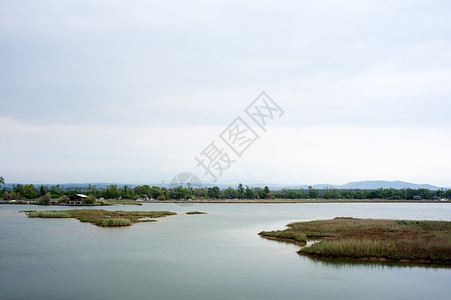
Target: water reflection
(351,263)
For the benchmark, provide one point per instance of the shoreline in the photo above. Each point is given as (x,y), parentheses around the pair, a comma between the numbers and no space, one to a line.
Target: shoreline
(300,201)
(234,201)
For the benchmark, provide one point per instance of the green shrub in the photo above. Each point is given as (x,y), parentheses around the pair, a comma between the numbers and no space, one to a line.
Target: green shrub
(45,200)
(102,202)
(63,199)
(48,214)
(11,196)
(113,222)
(296,236)
(195,213)
(90,200)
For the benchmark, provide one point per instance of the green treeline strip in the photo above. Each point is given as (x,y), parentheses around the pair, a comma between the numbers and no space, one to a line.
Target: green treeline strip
(145,192)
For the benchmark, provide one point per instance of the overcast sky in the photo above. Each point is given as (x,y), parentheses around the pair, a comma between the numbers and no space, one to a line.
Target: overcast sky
(133,91)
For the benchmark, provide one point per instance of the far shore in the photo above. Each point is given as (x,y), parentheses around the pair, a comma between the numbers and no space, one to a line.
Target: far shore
(298,201)
(245,201)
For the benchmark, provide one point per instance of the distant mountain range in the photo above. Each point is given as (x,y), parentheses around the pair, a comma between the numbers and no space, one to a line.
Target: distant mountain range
(366,185)
(376,184)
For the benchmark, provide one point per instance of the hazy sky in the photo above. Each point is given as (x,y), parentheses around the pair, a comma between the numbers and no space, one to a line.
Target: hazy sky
(132,91)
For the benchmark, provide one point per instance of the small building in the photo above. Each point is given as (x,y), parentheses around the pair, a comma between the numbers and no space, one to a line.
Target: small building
(416,197)
(77,199)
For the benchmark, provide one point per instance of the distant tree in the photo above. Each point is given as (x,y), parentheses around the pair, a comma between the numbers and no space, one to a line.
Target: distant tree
(19,188)
(42,190)
(2,185)
(45,199)
(249,193)
(91,190)
(56,190)
(303,193)
(11,196)
(90,200)
(142,190)
(200,192)
(63,199)
(346,194)
(313,193)
(30,192)
(268,194)
(214,192)
(127,192)
(358,194)
(112,192)
(240,191)
(155,192)
(330,194)
(180,193)
(230,193)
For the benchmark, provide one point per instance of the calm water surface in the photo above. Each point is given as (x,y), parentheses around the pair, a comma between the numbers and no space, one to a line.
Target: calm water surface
(213,256)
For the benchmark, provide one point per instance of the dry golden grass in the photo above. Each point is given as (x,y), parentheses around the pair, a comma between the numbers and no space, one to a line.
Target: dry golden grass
(415,241)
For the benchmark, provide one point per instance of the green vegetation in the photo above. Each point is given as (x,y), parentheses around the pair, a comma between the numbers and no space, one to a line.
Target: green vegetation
(10,196)
(412,241)
(45,199)
(90,200)
(195,212)
(118,202)
(48,214)
(63,199)
(113,222)
(103,218)
(113,194)
(288,235)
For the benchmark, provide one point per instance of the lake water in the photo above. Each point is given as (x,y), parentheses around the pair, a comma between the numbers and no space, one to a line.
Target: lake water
(213,256)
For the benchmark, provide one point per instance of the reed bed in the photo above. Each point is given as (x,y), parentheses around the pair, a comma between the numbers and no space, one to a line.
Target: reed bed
(116,222)
(103,218)
(406,240)
(290,235)
(48,214)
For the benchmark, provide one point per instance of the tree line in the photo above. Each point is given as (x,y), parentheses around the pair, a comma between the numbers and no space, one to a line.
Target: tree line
(29,191)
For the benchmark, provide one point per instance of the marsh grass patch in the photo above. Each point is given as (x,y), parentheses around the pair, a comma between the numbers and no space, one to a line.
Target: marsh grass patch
(103,218)
(397,240)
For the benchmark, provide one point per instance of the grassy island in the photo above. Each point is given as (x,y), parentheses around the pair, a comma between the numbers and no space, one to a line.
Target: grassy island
(195,212)
(371,239)
(101,217)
